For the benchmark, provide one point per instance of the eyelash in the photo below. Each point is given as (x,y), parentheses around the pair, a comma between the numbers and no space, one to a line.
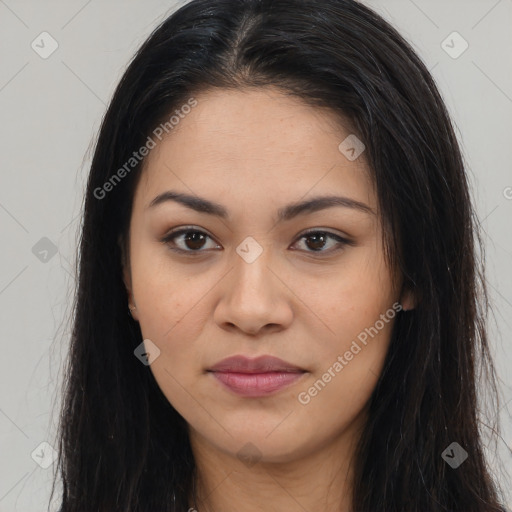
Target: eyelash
(174,234)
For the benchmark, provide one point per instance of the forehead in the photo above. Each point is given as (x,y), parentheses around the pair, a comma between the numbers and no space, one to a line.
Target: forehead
(253,142)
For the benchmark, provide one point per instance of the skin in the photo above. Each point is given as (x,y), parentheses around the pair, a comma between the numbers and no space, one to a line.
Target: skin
(255,151)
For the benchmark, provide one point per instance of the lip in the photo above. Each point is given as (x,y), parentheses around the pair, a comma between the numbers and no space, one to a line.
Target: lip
(261,364)
(261,376)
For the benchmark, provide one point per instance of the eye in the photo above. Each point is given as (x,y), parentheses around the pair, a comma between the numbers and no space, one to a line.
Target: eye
(193,241)
(190,240)
(318,241)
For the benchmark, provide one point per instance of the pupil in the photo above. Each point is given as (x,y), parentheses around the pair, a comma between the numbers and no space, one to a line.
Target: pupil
(318,245)
(194,238)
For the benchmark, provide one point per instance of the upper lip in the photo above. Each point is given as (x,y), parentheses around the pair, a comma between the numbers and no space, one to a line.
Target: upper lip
(261,364)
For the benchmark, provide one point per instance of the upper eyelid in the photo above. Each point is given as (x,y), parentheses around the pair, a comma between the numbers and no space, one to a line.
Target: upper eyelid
(180,231)
(186,229)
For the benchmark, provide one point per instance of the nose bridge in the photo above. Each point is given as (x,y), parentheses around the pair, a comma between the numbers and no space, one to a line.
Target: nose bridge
(252,260)
(253,297)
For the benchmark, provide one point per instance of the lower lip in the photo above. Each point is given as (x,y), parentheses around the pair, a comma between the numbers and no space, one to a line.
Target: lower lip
(257,384)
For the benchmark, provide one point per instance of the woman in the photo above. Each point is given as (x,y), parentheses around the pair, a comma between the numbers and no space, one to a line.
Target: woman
(278,201)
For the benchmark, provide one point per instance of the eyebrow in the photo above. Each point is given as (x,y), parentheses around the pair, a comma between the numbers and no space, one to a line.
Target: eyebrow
(202,205)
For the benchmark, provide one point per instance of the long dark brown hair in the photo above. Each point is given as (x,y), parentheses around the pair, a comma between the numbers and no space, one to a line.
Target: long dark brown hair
(122,446)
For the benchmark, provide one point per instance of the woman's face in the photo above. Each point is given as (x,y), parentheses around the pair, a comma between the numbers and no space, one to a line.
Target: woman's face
(249,281)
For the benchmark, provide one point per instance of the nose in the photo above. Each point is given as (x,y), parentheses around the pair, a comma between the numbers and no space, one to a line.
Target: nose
(254,297)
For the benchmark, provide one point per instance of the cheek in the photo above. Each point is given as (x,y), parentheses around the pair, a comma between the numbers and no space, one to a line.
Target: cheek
(354,302)
(357,350)
(163,292)
(172,311)
(349,365)
(359,315)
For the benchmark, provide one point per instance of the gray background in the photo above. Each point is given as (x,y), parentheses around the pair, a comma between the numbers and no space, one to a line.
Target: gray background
(51,110)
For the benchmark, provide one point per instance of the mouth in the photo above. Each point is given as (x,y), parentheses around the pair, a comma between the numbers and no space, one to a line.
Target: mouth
(258,377)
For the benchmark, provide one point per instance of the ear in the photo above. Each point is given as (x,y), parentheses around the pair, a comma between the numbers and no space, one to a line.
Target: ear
(408,298)
(125,264)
